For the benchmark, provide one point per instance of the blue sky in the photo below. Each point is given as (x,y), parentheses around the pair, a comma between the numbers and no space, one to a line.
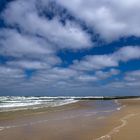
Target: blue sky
(75,48)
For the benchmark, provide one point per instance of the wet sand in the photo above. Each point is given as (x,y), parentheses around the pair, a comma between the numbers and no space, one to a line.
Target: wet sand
(76,121)
(126,123)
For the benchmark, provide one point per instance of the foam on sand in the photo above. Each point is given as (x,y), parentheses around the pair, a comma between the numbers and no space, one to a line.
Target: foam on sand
(116,129)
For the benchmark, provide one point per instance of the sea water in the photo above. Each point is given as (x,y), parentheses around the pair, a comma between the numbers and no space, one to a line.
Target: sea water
(12,103)
(94,110)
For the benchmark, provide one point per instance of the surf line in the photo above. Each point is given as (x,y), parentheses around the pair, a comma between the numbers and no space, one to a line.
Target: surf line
(116,129)
(1,128)
(22,125)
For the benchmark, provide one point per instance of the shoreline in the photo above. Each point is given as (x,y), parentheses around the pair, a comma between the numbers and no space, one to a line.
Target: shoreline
(123,129)
(72,121)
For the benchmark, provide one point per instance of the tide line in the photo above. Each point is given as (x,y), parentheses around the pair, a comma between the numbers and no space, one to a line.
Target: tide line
(116,129)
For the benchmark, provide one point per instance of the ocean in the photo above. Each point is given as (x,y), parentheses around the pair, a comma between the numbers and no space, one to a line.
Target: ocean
(84,110)
(13,103)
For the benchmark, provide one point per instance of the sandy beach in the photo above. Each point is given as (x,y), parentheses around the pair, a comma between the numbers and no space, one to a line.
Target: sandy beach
(77,121)
(69,70)
(125,124)
(129,119)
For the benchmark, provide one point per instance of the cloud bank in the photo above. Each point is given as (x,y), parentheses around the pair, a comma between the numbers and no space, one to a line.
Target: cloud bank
(35,33)
(110,18)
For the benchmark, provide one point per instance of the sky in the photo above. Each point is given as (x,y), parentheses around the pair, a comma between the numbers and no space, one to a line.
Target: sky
(69,48)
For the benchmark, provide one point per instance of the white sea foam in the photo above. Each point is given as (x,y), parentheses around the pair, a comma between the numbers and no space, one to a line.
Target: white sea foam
(101,110)
(119,104)
(117,129)
(12,103)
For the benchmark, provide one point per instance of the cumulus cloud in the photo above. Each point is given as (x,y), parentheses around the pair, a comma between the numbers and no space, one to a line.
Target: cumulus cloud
(34,39)
(10,78)
(129,84)
(103,75)
(93,62)
(24,64)
(9,72)
(127,53)
(99,75)
(31,40)
(27,51)
(110,18)
(133,76)
(25,15)
(14,43)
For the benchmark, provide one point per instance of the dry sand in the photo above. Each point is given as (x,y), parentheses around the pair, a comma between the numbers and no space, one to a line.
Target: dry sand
(62,123)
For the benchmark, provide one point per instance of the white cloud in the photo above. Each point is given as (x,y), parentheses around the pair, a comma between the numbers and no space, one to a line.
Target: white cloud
(25,15)
(14,43)
(97,76)
(103,75)
(10,78)
(36,44)
(27,64)
(128,53)
(27,51)
(10,72)
(110,18)
(128,84)
(92,62)
(132,76)
(87,78)
(34,40)
(56,74)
